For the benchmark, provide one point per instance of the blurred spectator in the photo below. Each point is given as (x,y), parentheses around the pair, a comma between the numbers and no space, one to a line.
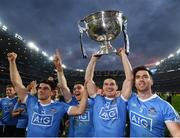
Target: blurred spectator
(169,97)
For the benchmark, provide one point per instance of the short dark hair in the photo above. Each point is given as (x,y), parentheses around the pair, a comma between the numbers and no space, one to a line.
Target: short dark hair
(135,70)
(9,86)
(50,83)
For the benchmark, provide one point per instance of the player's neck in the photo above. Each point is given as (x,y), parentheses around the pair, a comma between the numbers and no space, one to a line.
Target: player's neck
(145,94)
(47,101)
(11,97)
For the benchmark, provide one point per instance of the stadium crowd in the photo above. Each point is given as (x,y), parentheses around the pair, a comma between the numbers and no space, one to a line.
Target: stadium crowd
(50,109)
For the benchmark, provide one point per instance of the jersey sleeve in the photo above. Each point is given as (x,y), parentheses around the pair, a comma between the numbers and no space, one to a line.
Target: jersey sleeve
(90,102)
(170,114)
(94,95)
(30,101)
(73,101)
(65,107)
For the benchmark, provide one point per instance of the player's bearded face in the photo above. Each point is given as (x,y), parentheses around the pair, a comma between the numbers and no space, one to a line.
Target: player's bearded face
(143,81)
(44,91)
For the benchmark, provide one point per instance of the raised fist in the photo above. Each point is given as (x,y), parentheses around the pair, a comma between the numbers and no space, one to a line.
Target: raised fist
(12,57)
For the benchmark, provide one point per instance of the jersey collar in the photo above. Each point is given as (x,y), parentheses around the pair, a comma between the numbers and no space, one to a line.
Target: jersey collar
(150,98)
(11,98)
(46,104)
(109,98)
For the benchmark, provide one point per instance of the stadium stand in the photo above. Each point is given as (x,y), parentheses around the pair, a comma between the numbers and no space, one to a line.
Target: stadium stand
(33,65)
(168,74)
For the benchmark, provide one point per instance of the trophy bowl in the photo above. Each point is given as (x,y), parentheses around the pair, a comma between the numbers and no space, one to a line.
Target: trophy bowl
(103,27)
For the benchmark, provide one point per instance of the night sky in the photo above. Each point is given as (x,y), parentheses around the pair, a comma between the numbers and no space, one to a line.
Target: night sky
(153,28)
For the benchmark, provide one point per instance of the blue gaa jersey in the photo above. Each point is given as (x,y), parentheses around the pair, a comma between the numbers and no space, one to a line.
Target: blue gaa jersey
(7,105)
(148,117)
(23,117)
(44,120)
(82,125)
(109,116)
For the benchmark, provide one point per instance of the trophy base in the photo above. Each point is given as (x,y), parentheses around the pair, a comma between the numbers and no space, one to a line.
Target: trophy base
(106,49)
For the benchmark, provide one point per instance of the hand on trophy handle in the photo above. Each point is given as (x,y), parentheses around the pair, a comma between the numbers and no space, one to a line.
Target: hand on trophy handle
(95,56)
(121,51)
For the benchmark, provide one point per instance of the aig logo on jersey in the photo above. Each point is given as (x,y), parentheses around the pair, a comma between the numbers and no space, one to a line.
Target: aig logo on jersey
(42,119)
(108,114)
(140,120)
(85,116)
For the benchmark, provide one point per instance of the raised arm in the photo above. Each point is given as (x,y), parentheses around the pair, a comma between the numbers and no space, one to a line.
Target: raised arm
(61,77)
(15,76)
(32,87)
(91,87)
(77,110)
(128,82)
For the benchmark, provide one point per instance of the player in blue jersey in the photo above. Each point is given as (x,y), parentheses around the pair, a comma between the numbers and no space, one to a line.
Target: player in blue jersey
(7,105)
(148,113)
(109,111)
(20,112)
(44,114)
(81,125)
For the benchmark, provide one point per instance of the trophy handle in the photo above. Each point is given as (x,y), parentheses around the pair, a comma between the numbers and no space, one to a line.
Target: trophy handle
(126,38)
(82,30)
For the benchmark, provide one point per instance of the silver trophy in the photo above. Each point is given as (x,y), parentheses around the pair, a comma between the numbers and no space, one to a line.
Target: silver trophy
(103,27)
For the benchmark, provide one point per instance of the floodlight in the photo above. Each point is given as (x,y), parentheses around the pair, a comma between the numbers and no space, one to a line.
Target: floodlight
(171,55)
(45,54)
(51,58)
(64,66)
(178,51)
(80,70)
(162,60)
(30,44)
(157,63)
(37,49)
(33,46)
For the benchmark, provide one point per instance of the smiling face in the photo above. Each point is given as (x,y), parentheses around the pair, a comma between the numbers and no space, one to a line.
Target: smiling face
(143,81)
(77,91)
(110,88)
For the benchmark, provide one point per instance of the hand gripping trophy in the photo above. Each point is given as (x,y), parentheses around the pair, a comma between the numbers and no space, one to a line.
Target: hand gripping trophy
(103,27)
